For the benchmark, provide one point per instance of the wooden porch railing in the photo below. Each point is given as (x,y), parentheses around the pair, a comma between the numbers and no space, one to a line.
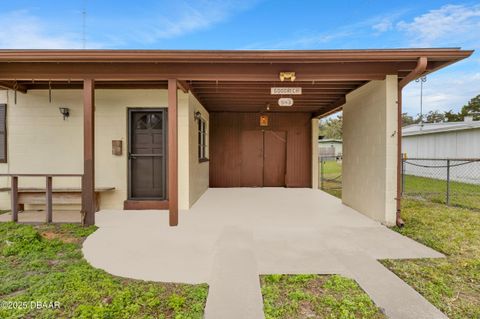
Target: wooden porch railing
(48,192)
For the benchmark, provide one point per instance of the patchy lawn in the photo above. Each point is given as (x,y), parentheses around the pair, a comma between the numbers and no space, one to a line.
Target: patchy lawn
(315,296)
(461,194)
(45,264)
(451,284)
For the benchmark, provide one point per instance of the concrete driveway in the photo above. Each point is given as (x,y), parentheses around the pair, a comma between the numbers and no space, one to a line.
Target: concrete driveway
(231,236)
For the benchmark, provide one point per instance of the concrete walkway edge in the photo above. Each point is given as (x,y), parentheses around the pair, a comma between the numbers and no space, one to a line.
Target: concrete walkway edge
(398,299)
(235,284)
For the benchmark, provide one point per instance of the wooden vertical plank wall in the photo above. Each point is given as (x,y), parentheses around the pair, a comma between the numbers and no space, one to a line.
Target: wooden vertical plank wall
(226,148)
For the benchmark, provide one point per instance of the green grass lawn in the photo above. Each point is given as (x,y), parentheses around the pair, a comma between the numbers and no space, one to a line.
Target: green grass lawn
(332,168)
(45,264)
(452,284)
(434,190)
(461,194)
(332,175)
(315,296)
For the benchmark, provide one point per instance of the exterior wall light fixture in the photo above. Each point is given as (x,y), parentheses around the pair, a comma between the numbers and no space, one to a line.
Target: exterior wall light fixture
(65,111)
(197,115)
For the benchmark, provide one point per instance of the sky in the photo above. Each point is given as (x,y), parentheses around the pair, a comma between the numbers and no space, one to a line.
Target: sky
(257,24)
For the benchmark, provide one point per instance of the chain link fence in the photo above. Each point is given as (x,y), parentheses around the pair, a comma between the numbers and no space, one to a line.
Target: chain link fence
(453,182)
(330,174)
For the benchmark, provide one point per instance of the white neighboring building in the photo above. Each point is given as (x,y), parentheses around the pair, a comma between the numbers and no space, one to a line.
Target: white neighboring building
(450,140)
(442,140)
(330,147)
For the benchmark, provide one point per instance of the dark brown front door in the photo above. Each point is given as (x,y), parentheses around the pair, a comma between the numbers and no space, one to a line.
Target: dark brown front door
(147,154)
(275,153)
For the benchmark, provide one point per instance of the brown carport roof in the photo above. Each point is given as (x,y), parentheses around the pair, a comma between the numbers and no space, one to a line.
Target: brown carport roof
(221,80)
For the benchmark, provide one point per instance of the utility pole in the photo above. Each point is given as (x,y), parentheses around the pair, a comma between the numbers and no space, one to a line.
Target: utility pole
(422,80)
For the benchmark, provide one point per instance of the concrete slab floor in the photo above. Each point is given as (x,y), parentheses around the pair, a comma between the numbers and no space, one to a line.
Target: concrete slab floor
(231,236)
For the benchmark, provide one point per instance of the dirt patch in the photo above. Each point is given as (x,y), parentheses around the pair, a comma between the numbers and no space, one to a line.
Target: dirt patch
(306,310)
(15,293)
(62,237)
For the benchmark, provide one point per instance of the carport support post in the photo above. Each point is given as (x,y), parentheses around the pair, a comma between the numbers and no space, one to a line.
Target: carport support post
(172,152)
(88,181)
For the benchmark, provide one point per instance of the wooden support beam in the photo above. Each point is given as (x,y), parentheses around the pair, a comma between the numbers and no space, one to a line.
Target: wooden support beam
(266,90)
(257,109)
(88,181)
(78,85)
(332,108)
(184,86)
(14,196)
(12,85)
(48,200)
(348,85)
(172,152)
(361,71)
(263,95)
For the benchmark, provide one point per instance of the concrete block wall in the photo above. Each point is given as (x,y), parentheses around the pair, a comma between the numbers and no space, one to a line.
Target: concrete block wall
(40,141)
(370,149)
(198,172)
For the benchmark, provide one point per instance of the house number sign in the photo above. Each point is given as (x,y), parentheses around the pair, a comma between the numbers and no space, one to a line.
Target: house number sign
(285,101)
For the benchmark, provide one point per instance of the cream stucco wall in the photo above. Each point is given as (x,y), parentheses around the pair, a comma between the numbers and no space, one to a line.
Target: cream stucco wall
(198,172)
(369,149)
(193,176)
(40,141)
(4,182)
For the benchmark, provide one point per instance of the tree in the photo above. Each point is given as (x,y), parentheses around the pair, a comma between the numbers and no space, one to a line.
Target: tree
(451,116)
(434,117)
(331,127)
(472,108)
(408,119)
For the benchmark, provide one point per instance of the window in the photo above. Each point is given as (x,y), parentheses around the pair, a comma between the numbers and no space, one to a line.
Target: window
(202,140)
(149,121)
(3,133)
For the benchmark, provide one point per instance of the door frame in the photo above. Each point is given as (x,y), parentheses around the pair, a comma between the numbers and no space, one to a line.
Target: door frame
(130,111)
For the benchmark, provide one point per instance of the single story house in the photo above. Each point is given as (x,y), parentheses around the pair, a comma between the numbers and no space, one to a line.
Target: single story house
(330,147)
(150,129)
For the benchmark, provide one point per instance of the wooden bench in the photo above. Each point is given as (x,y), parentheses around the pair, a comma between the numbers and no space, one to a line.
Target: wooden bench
(70,196)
